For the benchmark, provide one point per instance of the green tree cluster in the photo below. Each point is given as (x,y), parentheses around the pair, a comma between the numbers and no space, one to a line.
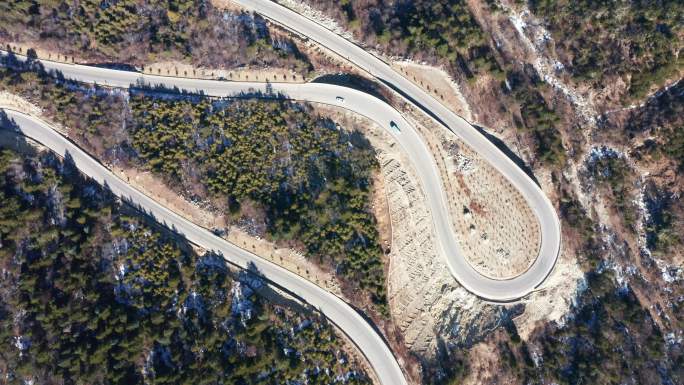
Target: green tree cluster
(311,178)
(611,339)
(612,170)
(537,118)
(663,226)
(661,117)
(641,41)
(446,28)
(92,293)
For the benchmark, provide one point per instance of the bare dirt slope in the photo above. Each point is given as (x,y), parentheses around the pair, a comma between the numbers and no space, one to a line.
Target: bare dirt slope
(427,304)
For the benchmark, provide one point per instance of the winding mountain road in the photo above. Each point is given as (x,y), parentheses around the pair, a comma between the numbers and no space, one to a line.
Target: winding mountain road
(358,330)
(465,274)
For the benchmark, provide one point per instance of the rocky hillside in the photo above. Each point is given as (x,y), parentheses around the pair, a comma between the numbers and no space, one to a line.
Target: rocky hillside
(594,108)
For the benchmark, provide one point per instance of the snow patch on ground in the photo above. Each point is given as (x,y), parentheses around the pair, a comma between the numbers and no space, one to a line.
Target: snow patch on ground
(669,273)
(242,306)
(602,152)
(22,343)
